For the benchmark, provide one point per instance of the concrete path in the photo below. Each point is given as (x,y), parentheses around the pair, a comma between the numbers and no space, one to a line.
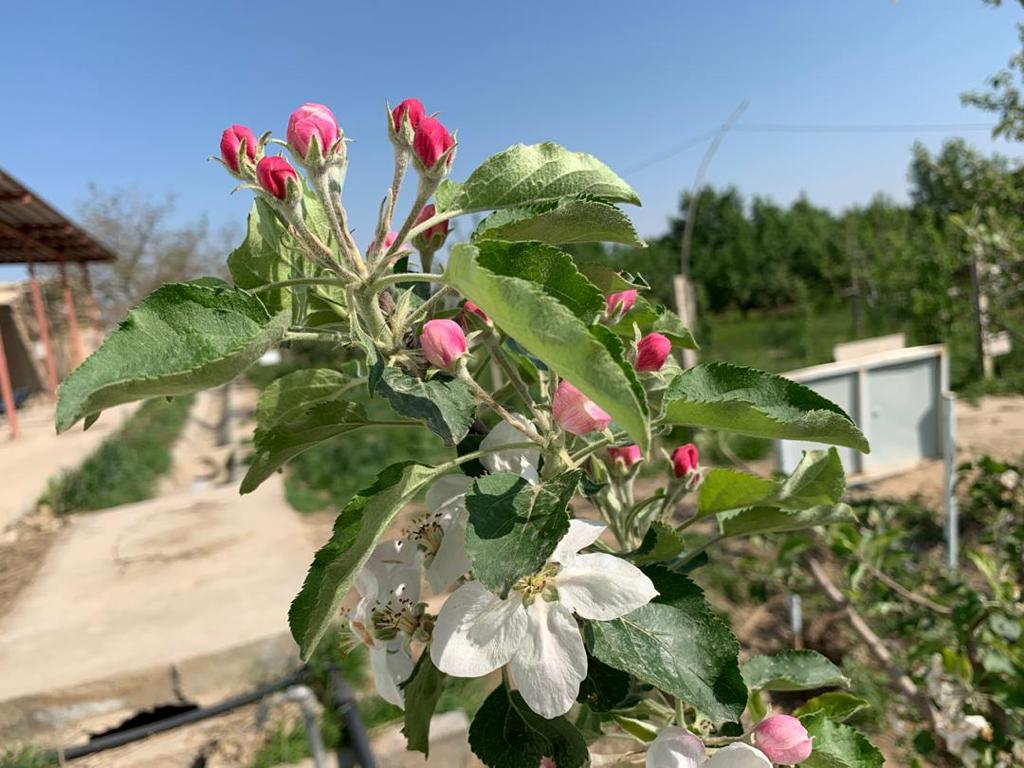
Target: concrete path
(38,454)
(182,598)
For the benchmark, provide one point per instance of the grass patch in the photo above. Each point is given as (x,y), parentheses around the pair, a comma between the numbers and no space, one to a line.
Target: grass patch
(25,757)
(126,466)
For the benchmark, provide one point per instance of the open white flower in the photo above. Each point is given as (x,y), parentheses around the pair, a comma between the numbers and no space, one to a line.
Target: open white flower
(519,461)
(678,748)
(384,618)
(441,532)
(533,630)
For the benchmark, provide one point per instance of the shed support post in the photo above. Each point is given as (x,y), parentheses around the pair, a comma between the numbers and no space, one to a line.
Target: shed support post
(44,328)
(6,392)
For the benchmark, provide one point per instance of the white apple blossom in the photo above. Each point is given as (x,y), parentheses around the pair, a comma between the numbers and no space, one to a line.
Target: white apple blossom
(678,748)
(387,614)
(533,630)
(441,532)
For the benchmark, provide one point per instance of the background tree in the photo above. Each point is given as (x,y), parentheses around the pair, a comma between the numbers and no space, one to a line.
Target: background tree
(152,248)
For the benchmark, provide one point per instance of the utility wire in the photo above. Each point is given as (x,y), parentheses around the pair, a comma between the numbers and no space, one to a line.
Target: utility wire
(795,128)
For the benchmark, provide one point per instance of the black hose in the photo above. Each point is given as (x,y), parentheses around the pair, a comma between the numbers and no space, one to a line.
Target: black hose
(176,721)
(345,702)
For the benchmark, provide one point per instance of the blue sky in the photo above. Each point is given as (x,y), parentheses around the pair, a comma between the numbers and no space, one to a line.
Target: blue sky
(136,93)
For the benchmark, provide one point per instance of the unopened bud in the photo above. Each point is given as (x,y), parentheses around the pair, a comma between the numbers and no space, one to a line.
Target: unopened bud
(443,342)
(575,412)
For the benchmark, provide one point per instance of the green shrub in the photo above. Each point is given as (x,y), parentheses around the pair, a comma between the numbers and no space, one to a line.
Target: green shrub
(126,466)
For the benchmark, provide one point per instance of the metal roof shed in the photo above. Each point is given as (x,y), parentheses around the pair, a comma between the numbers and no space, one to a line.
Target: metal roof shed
(33,232)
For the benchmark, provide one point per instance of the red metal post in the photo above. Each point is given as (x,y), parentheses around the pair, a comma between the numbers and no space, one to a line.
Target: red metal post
(6,393)
(69,308)
(44,328)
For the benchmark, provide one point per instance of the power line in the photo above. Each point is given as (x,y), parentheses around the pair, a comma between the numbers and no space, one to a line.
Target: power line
(862,128)
(796,128)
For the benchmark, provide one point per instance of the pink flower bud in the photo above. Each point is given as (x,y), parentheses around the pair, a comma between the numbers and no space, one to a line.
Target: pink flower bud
(273,172)
(433,237)
(412,108)
(627,454)
(443,342)
(231,145)
(469,308)
(389,240)
(684,460)
(575,412)
(620,303)
(431,141)
(652,351)
(783,739)
(308,121)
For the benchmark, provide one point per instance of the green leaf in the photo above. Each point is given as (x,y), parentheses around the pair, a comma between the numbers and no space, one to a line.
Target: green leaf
(445,405)
(549,330)
(182,338)
(745,522)
(506,733)
(514,526)
(366,516)
(838,746)
(737,399)
(661,543)
(446,195)
(537,173)
(291,395)
(723,489)
(604,688)
(569,220)
(551,269)
(835,705)
(259,260)
(792,670)
(678,644)
(818,480)
(279,444)
(654,318)
(607,279)
(422,691)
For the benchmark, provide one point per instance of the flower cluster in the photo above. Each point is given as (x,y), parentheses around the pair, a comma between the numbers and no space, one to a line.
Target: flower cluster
(778,739)
(520,576)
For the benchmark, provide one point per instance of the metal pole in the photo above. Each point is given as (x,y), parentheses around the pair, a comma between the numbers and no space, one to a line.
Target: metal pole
(796,619)
(686,297)
(69,308)
(44,327)
(6,392)
(306,699)
(952,521)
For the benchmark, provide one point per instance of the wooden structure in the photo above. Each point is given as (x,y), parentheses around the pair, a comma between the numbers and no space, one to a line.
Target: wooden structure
(34,233)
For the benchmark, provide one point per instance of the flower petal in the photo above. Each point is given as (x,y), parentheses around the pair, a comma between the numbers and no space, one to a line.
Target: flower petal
(447,490)
(581,533)
(739,756)
(603,587)
(392,570)
(476,631)
(519,461)
(391,664)
(450,561)
(551,662)
(675,747)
